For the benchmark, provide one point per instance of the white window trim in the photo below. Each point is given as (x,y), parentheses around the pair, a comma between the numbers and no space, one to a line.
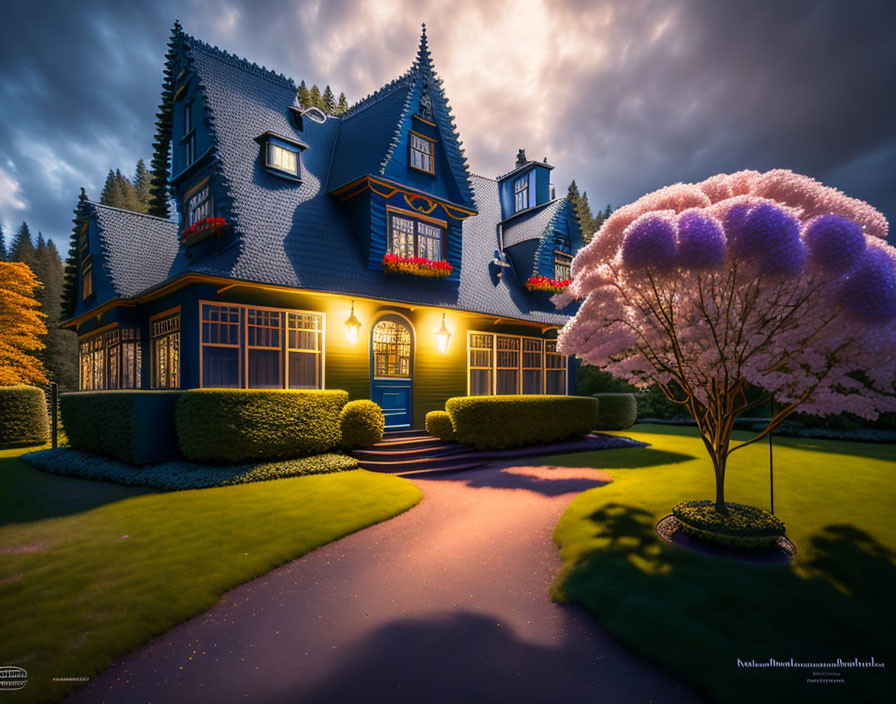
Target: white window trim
(244,347)
(494,370)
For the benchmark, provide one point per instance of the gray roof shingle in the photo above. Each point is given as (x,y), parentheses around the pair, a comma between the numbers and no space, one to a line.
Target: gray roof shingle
(533,227)
(137,249)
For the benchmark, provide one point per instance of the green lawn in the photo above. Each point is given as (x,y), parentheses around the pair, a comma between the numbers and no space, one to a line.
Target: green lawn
(90,571)
(697,614)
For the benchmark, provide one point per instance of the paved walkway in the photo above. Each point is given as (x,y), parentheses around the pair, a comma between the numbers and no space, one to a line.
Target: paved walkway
(448,602)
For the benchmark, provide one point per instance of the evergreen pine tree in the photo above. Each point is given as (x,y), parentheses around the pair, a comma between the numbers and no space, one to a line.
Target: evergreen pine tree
(70,280)
(129,193)
(314,98)
(22,249)
(304,95)
(329,101)
(60,353)
(112,193)
(161,145)
(342,105)
(142,179)
(585,217)
(3,252)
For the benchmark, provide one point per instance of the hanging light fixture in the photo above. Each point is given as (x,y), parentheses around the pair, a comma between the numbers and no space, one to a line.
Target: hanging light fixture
(352,326)
(443,335)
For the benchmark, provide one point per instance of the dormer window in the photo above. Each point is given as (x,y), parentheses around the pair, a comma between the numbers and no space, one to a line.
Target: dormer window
(411,237)
(279,157)
(198,203)
(282,156)
(189,140)
(562,266)
(521,193)
(422,152)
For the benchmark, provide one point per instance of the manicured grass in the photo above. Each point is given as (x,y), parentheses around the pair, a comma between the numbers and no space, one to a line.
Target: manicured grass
(698,614)
(90,571)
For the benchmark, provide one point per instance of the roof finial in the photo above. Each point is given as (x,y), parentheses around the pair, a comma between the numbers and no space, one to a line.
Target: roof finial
(83,195)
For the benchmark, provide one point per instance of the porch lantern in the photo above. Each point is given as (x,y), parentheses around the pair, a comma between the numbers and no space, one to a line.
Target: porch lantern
(443,335)
(352,326)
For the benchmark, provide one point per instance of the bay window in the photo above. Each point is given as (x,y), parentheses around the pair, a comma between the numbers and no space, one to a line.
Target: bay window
(514,364)
(261,348)
(109,360)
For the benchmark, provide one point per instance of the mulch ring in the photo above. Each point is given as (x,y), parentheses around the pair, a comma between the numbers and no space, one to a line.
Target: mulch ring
(783,551)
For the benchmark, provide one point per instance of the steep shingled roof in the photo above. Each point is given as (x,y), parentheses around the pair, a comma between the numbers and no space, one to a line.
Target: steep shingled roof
(297,235)
(371,129)
(535,226)
(137,250)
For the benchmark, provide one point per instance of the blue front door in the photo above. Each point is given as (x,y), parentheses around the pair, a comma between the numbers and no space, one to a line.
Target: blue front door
(392,367)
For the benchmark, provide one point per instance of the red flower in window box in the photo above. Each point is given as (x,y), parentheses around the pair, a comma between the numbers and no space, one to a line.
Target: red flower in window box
(417,266)
(544,283)
(202,229)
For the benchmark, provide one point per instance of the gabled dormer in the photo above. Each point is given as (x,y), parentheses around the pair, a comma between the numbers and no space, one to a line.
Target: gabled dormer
(401,174)
(527,186)
(541,242)
(195,184)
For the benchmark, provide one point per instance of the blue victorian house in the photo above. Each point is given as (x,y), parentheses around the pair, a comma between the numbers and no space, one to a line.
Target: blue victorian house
(309,251)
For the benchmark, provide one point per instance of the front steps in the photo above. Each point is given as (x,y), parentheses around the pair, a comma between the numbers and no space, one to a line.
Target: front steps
(413,452)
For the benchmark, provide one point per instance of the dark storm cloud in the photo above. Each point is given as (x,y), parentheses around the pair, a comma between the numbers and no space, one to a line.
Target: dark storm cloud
(798,85)
(655,91)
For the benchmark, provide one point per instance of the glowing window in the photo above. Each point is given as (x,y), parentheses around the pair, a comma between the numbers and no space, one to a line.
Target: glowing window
(391,349)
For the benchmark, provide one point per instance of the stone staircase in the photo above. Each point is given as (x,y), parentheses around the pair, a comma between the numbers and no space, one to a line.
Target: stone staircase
(408,452)
(413,452)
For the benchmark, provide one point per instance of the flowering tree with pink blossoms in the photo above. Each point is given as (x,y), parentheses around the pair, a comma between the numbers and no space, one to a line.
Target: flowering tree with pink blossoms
(764,279)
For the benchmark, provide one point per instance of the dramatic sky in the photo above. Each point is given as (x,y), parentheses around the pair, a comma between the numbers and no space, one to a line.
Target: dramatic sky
(623,96)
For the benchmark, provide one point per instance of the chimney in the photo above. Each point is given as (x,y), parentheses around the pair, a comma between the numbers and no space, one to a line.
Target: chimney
(521,157)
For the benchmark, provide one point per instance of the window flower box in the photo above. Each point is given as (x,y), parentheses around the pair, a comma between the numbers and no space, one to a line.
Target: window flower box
(416,266)
(544,283)
(202,229)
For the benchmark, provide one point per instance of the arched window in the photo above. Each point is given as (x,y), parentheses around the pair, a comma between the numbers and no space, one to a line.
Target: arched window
(391,349)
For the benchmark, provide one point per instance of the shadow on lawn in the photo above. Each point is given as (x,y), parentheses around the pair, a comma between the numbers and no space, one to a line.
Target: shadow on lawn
(32,495)
(628,458)
(699,614)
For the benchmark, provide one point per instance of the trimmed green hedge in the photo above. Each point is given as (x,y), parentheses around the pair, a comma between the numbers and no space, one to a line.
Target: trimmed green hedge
(23,416)
(131,426)
(235,425)
(362,423)
(616,411)
(438,424)
(742,527)
(175,476)
(497,422)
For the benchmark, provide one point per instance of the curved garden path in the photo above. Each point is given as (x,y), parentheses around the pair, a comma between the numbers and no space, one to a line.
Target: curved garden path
(448,602)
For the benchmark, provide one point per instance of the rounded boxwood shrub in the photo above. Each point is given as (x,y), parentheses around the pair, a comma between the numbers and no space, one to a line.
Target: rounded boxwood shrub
(616,411)
(23,416)
(362,424)
(741,527)
(235,425)
(438,424)
(498,422)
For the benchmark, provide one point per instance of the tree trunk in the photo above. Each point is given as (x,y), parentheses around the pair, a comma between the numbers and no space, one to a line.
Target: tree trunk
(717,440)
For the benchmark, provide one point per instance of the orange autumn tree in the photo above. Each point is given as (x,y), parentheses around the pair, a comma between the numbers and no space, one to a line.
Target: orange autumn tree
(21,326)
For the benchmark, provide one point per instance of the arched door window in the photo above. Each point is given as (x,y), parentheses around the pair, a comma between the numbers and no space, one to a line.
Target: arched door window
(391,350)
